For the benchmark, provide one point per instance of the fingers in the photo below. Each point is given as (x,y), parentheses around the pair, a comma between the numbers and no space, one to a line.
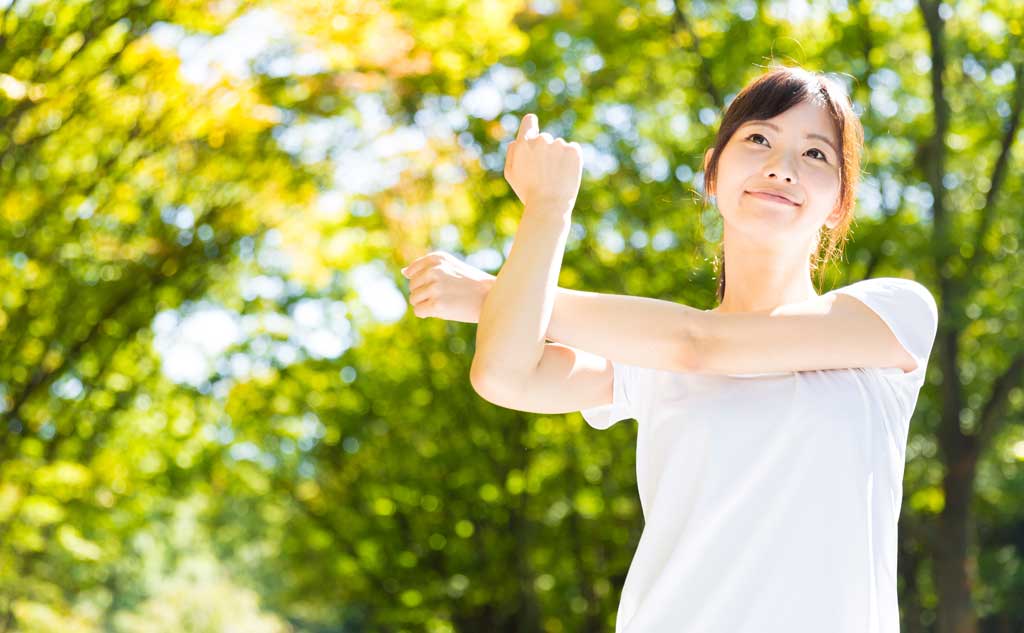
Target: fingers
(414,267)
(509,153)
(421,303)
(417,298)
(420,282)
(527,127)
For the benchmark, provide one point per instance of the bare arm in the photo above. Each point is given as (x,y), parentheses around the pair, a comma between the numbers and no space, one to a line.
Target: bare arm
(619,327)
(516,312)
(832,331)
(823,333)
(634,330)
(638,331)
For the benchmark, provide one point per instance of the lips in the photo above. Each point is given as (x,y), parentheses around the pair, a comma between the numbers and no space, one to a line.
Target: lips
(773,196)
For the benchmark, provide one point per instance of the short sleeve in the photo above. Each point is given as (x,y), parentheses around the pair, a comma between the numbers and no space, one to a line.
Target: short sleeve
(625,398)
(909,309)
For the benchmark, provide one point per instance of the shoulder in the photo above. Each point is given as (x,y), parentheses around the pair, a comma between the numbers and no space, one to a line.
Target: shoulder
(908,293)
(906,306)
(901,283)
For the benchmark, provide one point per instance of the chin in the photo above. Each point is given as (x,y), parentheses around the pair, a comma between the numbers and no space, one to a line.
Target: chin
(763,225)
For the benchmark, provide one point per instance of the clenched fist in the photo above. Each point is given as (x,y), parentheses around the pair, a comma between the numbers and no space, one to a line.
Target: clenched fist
(544,172)
(443,286)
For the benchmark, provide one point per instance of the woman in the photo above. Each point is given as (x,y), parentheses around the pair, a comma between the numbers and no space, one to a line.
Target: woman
(773,428)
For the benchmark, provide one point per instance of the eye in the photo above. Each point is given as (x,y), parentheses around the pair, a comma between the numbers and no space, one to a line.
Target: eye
(755,136)
(823,157)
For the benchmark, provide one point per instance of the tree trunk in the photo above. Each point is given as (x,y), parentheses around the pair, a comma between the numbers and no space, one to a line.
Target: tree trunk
(954,560)
(908,566)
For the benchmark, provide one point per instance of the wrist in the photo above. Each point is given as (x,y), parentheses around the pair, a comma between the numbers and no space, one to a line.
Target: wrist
(484,286)
(550,207)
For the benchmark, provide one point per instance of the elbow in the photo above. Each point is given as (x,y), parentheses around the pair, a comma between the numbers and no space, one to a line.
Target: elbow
(479,380)
(496,388)
(481,371)
(486,384)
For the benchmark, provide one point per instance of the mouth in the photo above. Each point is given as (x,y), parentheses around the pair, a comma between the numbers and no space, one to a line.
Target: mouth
(772,197)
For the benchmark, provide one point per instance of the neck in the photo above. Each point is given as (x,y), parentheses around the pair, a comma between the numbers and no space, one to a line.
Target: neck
(760,277)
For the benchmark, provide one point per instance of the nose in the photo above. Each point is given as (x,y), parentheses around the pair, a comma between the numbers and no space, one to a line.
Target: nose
(780,168)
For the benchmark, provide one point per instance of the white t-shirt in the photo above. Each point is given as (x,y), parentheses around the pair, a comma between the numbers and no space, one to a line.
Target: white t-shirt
(770,500)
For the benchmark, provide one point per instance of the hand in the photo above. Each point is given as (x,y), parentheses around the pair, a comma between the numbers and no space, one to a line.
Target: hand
(443,286)
(544,172)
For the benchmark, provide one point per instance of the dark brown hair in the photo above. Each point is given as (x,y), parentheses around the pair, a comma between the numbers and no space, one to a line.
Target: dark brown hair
(771,94)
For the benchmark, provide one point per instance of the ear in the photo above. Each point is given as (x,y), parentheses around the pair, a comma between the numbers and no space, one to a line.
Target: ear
(707,161)
(833,219)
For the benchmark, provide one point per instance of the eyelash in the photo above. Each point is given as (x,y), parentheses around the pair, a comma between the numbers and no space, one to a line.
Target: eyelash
(823,158)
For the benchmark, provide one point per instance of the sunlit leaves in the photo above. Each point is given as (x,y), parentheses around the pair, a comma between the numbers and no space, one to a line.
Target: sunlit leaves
(381,41)
(372,479)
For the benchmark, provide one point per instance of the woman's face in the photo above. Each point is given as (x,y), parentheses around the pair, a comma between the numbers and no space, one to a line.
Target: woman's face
(795,155)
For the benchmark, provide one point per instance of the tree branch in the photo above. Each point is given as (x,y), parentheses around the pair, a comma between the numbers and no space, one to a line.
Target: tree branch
(999,171)
(876,255)
(130,291)
(3,37)
(324,523)
(936,157)
(992,418)
(680,21)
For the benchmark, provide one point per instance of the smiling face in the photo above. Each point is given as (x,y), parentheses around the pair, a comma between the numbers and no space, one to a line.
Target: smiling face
(793,155)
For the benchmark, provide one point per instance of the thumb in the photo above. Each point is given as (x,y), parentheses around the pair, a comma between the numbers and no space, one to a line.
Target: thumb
(527,127)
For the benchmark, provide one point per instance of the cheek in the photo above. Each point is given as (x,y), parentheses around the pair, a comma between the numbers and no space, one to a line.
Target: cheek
(824,184)
(733,168)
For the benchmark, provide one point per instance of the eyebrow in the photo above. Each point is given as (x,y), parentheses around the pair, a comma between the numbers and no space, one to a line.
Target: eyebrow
(776,128)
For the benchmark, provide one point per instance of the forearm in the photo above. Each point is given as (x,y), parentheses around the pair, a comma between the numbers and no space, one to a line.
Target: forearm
(622,327)
(634,330)
(517,310)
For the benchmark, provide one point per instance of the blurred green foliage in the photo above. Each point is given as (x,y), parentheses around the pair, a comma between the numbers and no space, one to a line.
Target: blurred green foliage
(330,468)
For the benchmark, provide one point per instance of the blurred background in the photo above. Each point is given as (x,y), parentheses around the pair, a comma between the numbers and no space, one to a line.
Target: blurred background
(218,411)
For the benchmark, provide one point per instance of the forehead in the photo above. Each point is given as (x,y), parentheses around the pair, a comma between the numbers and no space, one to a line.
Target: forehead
(804,117)
(810,122)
